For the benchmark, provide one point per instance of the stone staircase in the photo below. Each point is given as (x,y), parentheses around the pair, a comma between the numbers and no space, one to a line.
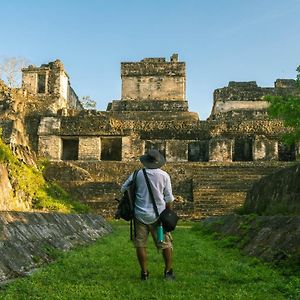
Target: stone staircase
(201,189)
(220,190)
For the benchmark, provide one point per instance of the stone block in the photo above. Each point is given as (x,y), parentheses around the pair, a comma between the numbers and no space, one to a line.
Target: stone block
(153,88)
(132,148)
(265,149)
(49,125)
(220,149)
(153,79)
(50,147)
(176,151)
(89,148)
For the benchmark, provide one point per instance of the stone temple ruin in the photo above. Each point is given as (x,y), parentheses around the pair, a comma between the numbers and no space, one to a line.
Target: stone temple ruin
(92,152)
(153,112)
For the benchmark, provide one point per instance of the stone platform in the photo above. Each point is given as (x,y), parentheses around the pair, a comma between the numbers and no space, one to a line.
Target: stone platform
(201,189)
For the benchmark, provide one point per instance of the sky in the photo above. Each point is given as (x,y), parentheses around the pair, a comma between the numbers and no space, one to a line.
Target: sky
(220,41)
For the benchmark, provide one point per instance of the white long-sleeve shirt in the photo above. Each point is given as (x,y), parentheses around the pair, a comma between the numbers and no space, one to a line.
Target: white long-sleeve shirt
(162,191)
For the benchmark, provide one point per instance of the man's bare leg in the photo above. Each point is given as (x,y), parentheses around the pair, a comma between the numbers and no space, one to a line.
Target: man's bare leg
(142,258)
(167,254)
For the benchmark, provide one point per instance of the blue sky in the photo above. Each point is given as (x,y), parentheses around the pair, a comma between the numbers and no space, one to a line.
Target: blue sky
(220,40)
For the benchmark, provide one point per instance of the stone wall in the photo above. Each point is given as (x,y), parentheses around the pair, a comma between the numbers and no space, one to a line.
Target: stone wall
(153,79)
(54,87)
(248,96)
(26,239)
(220,149)
(146,105)
(201,189)
(265,149)
(278,193)
(213,140)
(270,238)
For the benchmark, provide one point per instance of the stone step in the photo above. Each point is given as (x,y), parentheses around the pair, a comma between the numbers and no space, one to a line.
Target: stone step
(92,191)
(205,188)
(110,171)
(216,187)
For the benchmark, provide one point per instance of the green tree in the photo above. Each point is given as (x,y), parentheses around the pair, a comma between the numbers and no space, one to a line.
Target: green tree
(11,70)
(287,108)
(88,103)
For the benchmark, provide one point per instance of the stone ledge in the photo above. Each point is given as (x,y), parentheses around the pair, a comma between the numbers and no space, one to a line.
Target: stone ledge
(25,238)
(154,105)
(270,238)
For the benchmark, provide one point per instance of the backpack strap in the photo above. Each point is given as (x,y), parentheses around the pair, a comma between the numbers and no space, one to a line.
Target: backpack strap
(132,221)
(151,193)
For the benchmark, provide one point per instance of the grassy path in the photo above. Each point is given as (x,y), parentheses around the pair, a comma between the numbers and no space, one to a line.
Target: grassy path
(108,270)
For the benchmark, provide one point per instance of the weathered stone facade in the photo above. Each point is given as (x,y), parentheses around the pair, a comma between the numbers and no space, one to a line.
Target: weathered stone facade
(26,239)
(278,193)
(152,113)
(50,83)
(153,79)
(45,90)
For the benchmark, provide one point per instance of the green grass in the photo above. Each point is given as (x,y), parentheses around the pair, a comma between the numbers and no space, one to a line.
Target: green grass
(108,270)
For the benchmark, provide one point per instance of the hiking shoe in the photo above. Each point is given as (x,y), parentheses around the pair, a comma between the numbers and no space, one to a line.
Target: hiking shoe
(169,275)
(144,276)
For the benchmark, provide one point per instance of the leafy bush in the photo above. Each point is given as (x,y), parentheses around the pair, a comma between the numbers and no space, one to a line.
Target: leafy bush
(287,108)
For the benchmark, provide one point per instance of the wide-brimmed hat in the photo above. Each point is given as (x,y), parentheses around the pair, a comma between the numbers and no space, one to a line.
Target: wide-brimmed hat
(153,159)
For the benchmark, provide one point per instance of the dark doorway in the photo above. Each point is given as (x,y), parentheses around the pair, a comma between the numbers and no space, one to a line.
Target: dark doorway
(70,149)
(41,85)
(198,151)
(242,149)
(286,152)
(111,149)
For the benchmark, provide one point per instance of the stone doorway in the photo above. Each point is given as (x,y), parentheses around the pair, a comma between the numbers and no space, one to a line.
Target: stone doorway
(111,149)
(286,152)
(243,149)
(70,149)
(41,83)
(198,151)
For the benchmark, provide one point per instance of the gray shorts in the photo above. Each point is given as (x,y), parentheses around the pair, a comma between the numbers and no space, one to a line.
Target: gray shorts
(142,233)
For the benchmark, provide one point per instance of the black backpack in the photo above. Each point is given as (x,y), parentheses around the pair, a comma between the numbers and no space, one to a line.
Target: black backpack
(125,209)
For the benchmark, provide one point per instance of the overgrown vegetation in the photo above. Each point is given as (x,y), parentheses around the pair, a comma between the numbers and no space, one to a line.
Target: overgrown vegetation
(43,195)
(205,269)
(287,108)
(287,263)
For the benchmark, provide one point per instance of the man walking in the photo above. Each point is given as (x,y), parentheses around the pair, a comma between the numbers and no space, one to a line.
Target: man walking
(146,219)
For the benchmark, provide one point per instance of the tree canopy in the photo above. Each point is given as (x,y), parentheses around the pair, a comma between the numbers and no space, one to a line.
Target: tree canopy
(11,70)
(287,108)
(88,103)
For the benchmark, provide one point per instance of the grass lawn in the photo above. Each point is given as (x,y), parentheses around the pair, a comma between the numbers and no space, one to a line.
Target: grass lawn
(205,269)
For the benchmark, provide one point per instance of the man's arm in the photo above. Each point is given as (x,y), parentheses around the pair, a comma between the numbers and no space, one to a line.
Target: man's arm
(169,205)
(126,183)
(168,195)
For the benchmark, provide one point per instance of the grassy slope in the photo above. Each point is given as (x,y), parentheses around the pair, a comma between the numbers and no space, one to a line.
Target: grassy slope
(45,195)
(108,270)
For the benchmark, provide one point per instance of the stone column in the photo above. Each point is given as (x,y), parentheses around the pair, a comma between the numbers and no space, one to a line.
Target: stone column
(89,148)
(176,151)
(220,149)
(50,146)
(132,148)
(265,149)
